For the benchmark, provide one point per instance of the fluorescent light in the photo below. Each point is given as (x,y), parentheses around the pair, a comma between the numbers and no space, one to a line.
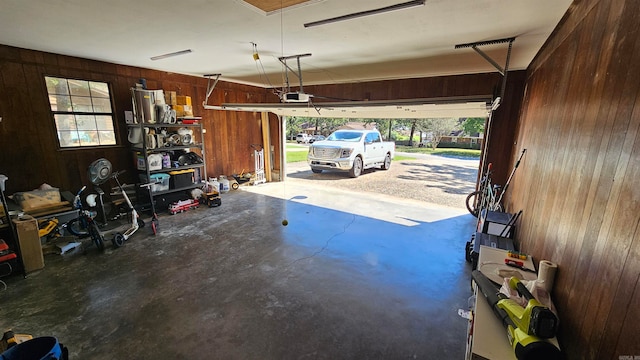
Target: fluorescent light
(405,5)
(177,53)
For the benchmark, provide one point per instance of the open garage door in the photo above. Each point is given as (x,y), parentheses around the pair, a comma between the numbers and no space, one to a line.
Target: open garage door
(455,107)
(420,108)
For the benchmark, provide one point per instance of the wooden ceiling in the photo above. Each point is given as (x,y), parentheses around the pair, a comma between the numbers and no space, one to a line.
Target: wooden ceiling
(272,5)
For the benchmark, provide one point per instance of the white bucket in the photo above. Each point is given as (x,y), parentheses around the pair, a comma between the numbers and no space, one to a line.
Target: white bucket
(224,184)
(214,184)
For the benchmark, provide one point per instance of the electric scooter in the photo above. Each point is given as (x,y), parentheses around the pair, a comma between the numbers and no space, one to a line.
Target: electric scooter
(136,222)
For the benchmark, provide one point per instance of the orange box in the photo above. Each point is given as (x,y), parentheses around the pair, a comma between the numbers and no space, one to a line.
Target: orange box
(179,110)
(183,100)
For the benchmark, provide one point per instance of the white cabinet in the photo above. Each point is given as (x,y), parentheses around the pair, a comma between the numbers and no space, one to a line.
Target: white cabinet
(486,336)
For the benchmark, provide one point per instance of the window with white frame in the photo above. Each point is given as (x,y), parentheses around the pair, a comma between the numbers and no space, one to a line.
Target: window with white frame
(82,112)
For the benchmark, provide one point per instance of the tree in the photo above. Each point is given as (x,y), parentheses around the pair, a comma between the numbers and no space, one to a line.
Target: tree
(438,128)
(472,126)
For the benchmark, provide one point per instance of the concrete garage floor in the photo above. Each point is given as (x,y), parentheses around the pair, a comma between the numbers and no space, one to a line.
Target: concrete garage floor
(362,276)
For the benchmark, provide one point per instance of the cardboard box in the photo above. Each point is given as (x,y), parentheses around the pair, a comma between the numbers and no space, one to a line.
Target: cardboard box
(170,98)
(183,100)
(188,110)
(30,200)
(29,241)
(179,110)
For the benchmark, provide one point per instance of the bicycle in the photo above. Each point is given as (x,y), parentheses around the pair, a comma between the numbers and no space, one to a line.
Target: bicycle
(84,225)
(487,197)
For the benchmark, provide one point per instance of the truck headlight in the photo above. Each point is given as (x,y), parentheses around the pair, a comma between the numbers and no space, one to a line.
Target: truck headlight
(345,152)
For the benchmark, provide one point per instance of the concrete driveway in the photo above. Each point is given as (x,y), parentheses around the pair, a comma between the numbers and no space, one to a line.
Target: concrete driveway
(430,178)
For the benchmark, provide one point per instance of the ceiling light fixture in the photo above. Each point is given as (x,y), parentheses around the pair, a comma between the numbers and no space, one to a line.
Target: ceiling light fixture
(405,5)
(177,53)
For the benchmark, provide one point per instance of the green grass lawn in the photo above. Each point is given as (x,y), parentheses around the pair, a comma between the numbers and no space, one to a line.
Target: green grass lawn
(295,156)
(402,157)
(450,152)
(295,146)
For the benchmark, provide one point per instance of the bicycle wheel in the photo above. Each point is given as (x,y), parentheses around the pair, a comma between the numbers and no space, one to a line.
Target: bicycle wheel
(97,238)
(471,203)
(76,228)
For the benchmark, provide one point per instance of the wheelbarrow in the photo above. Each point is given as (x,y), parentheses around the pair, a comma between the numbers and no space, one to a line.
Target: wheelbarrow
(241,179)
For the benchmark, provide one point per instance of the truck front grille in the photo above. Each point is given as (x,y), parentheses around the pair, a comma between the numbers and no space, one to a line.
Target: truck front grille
(325,152)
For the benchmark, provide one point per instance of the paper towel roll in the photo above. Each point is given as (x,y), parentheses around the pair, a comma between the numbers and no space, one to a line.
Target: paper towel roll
(547,273)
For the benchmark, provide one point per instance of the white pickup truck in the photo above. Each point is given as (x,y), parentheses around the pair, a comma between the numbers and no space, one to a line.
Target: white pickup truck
(352,151)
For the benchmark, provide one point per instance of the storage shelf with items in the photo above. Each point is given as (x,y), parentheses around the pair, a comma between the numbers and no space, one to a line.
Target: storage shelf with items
(165,146)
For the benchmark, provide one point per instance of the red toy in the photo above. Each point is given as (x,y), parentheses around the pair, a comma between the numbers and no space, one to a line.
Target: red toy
(182,206)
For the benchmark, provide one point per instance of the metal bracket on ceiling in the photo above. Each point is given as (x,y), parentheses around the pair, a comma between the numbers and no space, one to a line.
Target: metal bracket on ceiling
(298,73)
(503,71)
(210,87)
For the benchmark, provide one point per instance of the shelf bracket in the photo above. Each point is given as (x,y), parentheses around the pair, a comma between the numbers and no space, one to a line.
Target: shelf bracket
(210,87)
(503,71)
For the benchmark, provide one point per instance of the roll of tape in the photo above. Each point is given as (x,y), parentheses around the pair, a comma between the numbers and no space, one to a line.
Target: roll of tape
(547,273)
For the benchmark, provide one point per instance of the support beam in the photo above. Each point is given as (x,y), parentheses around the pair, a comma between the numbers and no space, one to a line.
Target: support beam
(266,142)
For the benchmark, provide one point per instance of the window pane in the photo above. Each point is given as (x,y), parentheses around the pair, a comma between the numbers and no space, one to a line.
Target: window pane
(81,104)
(107,137)
(68,138)
(56,85)
(104,122)
(68,98)
(101,105)
(88,138)
(79,87)
(86,122)
(60,102)
(65,122)
(99,90)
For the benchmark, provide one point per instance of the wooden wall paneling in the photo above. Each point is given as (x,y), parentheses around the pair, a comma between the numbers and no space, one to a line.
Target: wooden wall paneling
(20,121)
(31,57)
(44,130)
(623,325)
(620,207)
(579,249)
(568,91)
(610,333)
(583,121)
(609,153)
(596,228)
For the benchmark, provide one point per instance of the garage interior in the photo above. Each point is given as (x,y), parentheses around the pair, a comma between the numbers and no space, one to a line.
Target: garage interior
(234,283)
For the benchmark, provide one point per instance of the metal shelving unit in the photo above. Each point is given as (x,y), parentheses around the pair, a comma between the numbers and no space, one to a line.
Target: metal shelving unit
(197,144)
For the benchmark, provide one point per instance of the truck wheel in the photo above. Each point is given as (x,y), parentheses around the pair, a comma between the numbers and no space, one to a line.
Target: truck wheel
(356,169)
(387,162)
(316,171)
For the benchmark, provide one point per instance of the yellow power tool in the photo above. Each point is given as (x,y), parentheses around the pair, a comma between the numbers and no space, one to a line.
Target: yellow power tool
(528,328)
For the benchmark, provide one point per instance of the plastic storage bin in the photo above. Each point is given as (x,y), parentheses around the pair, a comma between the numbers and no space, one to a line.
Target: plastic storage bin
(162,182)
(181,178)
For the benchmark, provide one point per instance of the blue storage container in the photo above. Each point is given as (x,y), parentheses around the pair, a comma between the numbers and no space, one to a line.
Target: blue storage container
(162,182)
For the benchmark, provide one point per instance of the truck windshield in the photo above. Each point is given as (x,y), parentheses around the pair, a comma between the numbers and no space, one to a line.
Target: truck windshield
(345,136)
